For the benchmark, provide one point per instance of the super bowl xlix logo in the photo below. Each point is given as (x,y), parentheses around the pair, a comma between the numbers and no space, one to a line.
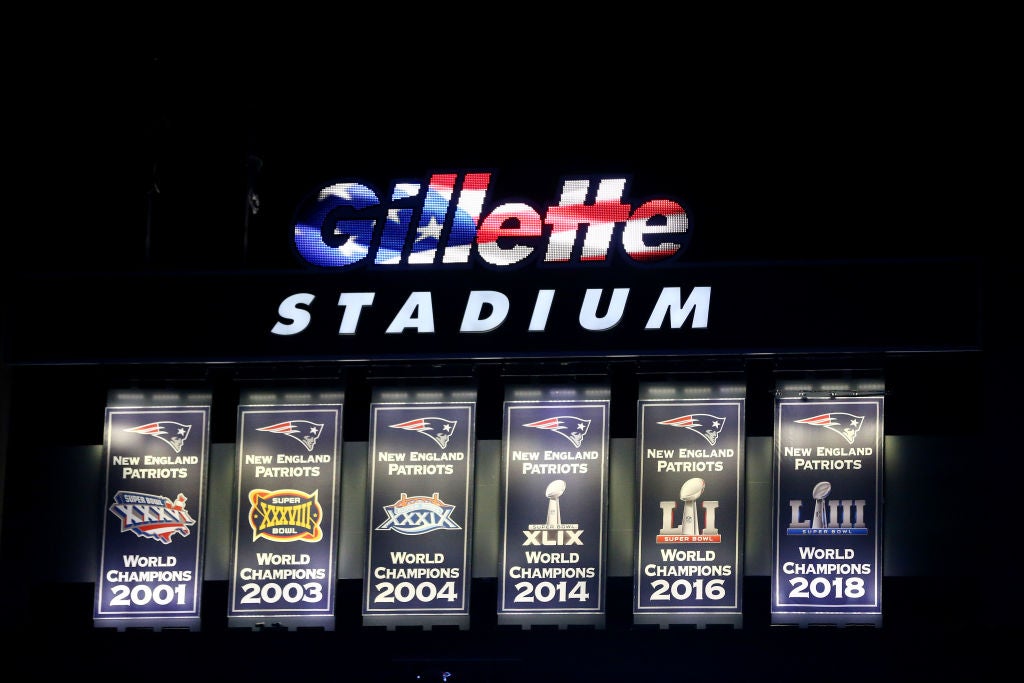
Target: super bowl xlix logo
(553,531)
(829,517)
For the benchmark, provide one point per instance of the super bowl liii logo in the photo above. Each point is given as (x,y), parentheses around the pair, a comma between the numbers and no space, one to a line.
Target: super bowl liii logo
(830,517)
(688,531)
(285,515)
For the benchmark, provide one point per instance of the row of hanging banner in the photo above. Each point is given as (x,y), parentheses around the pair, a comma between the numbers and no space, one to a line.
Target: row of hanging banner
(552,554)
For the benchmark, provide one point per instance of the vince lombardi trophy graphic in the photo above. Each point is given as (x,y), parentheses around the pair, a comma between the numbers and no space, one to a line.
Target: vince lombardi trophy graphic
(689,493)
(554,491)
(820,492)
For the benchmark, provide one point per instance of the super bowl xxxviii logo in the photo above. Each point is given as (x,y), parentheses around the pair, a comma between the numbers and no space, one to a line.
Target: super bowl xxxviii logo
(285,515)
(844,517)
(417,515)
(152,516)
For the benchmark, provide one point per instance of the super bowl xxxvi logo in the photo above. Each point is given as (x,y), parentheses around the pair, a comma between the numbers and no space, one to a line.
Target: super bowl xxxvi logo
(417,515)
(688,529)
(285,515)
(830,517)
(152,516)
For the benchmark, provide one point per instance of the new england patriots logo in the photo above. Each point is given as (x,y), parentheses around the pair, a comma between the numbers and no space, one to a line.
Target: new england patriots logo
(843,424)
(171,433)
(708,426)
(437,428)
(303,431)
(572,428)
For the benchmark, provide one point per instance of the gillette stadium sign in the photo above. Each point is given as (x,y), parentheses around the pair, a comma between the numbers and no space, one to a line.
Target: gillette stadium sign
(458,265)
(346,225)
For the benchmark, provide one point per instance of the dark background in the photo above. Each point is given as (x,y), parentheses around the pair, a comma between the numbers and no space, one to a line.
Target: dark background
(876,141)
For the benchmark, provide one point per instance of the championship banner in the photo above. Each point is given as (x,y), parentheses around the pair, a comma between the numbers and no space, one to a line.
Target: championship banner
(554,507)
(690,531)
(420,497)
(151,561)
(827,511)
(285,523)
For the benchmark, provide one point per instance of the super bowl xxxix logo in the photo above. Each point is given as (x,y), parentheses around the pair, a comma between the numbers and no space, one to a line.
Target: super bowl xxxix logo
(417,515)
(285,515)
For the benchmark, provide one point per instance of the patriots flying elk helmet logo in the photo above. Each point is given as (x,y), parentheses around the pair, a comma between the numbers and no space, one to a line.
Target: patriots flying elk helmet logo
(437,428)
(572,428)
(708,426)
(171,433)
(303,431)
(845,425)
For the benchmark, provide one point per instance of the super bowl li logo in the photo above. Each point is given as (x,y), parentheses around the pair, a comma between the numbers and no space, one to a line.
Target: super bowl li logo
(688,530)
(830,517)
(418,515)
